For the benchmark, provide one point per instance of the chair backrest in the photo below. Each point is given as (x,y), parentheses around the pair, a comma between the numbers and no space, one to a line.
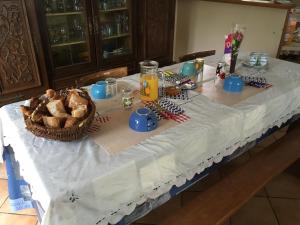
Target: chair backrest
(195,55)
(102,75)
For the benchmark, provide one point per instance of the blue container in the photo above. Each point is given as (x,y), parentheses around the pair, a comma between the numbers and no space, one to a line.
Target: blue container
(234,84)
(188,69)
(99,90)
(143,120)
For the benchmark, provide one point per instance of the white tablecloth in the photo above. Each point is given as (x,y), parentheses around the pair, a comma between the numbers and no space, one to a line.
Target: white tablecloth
(79,183)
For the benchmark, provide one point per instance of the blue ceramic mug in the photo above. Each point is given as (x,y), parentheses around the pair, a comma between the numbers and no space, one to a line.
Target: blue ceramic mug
(143,120)
(188,69)
(99,90)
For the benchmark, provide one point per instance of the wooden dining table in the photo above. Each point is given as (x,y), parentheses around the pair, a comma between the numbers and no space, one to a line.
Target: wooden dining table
(115,175)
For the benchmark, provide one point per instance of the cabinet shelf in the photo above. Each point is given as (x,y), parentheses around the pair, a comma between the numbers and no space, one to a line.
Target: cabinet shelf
(114,10)
(68,43)
(116,36)
(64,13)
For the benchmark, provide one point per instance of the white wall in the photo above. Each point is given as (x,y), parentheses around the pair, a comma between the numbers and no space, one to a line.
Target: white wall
(202,26)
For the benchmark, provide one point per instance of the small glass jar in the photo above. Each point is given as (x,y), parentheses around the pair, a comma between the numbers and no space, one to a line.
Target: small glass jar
(199,63)
(111,90)
(127,98)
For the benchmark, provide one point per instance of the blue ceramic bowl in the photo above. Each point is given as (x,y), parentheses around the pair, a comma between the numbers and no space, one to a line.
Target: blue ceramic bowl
(143,120)
(234,84)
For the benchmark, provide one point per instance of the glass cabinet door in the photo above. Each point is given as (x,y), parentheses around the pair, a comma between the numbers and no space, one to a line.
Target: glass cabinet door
(115,27)
(68,33)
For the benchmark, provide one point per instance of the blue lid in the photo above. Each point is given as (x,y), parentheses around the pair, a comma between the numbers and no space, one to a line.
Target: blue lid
(233,83)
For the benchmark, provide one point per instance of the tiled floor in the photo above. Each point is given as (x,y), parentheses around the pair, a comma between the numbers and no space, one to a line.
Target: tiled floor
(276,204)
(7,217)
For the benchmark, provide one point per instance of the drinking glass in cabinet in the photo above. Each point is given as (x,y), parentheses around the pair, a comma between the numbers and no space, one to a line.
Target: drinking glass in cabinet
(59,6)
(111,4)
(67,22)
(115,23)
(58,33)
(78,30)
(63,33)
(77,5)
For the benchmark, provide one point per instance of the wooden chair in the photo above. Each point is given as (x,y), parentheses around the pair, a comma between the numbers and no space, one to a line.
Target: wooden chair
(102,75)
(195,55)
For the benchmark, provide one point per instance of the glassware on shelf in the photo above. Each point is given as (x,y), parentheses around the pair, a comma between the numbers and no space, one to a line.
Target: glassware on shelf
(125,20)
(60,6)
(66,21)
(107,30)
(103,5)
(63,33)
(78,30)
(55,6)
(48,6)
(53,35)
(77,5)
(58,34)
(115,28)
(112,4)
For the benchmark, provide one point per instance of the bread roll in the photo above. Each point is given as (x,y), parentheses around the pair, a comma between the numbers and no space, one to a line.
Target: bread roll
(70,122)
(76,100)
(80,111)
(50,93)
(57,109)
(70,92)
(52,122)
(26,110)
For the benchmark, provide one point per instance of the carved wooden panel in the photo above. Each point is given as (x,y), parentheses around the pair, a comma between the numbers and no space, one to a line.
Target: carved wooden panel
(18,67)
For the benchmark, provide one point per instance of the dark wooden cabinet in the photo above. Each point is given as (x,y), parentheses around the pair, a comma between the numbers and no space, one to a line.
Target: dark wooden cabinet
(156,30)
(68,37)
(57,42)
(21,72)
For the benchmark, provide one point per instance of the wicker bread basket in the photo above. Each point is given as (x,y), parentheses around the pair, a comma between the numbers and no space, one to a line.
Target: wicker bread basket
(64,134)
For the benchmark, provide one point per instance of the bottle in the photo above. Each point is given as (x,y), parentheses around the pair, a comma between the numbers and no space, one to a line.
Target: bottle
(149,80)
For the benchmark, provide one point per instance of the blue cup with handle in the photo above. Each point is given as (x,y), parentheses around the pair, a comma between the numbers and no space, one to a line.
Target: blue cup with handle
(188,69)
(143,120)
(99,90)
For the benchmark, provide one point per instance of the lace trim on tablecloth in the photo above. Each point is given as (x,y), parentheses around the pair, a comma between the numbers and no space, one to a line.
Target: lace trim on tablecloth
(181,179)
